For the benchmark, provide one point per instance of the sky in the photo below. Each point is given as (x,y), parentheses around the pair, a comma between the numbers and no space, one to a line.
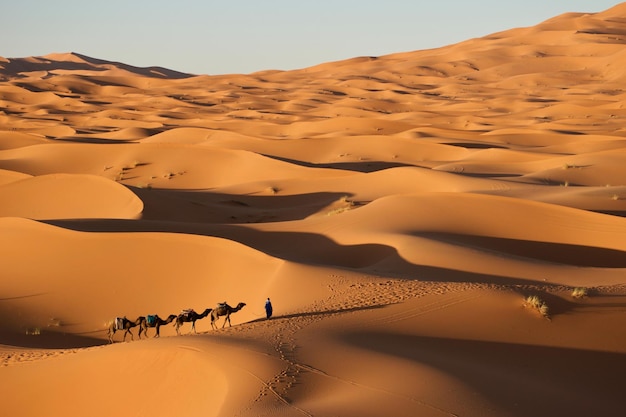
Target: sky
(243,36)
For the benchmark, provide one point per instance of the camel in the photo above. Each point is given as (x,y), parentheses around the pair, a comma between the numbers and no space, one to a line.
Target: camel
(126,325)
(189,316)
(224,309)
(157,323)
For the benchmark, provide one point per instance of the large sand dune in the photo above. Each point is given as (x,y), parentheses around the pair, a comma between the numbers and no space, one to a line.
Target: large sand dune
(398,210)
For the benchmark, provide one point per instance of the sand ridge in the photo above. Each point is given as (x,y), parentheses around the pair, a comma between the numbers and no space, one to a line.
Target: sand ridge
(398,210)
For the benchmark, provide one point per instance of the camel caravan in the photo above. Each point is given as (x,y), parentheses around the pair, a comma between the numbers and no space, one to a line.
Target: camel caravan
(185,316)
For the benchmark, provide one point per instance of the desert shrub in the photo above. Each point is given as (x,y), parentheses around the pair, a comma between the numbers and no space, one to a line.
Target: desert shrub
(538,304)
(579,292)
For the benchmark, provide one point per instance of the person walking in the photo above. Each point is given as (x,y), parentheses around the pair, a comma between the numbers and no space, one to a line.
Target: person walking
(268,308)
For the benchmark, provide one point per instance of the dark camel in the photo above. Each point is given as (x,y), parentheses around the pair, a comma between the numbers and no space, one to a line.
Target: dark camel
(127,325)
(190,316)
(224,309)
(158,322)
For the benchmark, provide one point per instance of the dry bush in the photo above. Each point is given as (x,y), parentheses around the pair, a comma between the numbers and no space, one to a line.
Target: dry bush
(580,292)
(538,304)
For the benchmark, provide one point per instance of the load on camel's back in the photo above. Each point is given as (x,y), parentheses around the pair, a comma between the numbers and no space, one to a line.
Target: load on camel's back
(122,323)
(119,323)
(153,320)
(189,315)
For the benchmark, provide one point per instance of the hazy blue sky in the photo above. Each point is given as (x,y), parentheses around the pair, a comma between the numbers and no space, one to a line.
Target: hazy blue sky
(242,36)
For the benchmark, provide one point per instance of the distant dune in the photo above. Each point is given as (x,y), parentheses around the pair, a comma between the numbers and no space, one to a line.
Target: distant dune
(401,212)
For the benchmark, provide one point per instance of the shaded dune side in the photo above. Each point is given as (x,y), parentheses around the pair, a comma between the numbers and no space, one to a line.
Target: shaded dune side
(486,367)
(298,198)
(436,236)
(466,232)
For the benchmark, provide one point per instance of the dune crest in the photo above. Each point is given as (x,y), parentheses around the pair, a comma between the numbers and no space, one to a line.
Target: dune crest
(440,232)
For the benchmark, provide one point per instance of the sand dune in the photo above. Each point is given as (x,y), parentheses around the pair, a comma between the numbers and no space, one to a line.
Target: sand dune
(60,196)
(398,210)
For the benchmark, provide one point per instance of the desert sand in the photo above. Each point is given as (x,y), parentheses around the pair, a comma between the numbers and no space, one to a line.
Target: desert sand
(399,211)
